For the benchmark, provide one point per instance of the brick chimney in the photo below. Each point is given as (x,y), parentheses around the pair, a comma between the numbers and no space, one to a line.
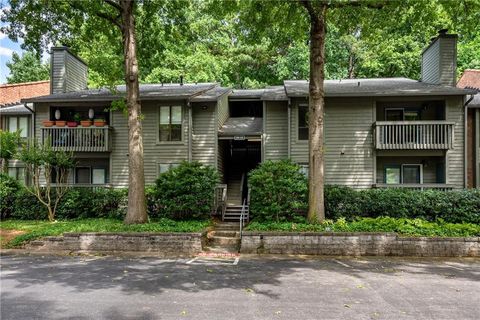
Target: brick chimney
(439,60)
(68,72)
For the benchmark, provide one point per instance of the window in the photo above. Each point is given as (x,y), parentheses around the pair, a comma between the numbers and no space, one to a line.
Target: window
(99,175)
(392,175)
(17,173)
(164,167)
(402,114)
(82,175)
(405,173)
(304,169)
(170,127)
(412,173)
(18,124)
(302,122)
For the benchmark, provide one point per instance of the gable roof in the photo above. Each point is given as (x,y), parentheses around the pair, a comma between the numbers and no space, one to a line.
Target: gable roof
(373,88)
(147,92)
(16,109)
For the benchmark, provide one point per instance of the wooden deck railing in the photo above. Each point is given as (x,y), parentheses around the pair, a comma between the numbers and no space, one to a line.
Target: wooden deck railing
(406,135)
(78,139)
(417,186)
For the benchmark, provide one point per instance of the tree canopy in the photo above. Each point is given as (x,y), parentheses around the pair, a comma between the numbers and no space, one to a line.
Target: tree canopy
(241,44)
(26,68)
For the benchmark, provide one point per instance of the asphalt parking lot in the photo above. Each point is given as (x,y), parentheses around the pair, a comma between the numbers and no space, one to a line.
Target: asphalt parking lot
(53,287)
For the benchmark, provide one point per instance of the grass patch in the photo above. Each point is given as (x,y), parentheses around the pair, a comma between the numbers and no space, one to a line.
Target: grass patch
(37,229)
(402,226)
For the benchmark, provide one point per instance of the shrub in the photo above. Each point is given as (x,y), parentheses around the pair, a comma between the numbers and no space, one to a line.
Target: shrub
(76,203)
(185,192)
(452,206)
(278,191)
(8,189)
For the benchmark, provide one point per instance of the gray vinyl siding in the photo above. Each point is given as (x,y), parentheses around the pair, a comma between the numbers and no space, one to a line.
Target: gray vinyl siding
(455,157)
(119,154)
(204,135)
(68,73)
(348,142)
(429,166)
(276,130)
(221,159)
(431,64)
(222,110)
(58,71)
(439,62)
(156,152)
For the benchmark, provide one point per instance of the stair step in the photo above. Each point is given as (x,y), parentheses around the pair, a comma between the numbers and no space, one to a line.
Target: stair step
(229,249)
(226,233)
(224,241)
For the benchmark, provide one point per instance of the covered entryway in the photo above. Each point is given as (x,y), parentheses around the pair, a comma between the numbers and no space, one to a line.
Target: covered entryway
(240,151)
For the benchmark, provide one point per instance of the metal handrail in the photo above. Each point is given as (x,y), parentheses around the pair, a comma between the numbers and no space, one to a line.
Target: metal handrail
(242,218)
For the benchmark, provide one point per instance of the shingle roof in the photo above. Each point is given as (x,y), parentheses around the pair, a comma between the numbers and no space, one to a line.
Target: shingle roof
(470,79)
(242,126)
(246,94)
(147,92)
(373,87)
(15,109)
(275,93)
(211,95)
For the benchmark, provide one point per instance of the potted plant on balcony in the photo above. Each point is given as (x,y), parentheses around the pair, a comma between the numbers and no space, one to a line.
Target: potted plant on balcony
(76,120)
(86,123)
(60,123)
(48,123)
(99,122)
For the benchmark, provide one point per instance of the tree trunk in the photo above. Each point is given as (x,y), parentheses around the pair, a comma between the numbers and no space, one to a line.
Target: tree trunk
(137,211)
(316,210)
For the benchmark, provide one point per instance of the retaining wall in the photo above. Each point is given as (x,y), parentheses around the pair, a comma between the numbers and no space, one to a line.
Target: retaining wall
(164,244)
(357,244)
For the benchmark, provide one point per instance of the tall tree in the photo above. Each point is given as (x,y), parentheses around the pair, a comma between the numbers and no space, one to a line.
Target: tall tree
(42,22)
(26,68)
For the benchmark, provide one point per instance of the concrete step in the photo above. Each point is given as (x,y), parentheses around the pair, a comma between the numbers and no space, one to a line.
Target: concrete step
(226,233)
(219,250)
(224,241)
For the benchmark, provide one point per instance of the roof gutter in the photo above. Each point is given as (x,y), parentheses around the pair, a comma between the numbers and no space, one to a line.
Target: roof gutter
(465,138)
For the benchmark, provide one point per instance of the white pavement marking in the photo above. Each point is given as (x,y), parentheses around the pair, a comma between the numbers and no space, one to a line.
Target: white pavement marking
(343,264)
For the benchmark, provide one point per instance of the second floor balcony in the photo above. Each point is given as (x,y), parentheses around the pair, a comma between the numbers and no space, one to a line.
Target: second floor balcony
(412,135)
(78,139)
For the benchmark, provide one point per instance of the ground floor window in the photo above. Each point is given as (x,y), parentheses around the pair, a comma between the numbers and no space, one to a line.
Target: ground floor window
(164,167)
(304,169)
(17,173)
(90,175)
(405,173)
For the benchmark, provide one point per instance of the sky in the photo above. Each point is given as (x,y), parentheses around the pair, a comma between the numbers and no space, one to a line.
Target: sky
(7,47)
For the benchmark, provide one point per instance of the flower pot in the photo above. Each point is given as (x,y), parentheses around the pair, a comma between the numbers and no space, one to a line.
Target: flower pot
(60,123)
(48,123)
(86,123)
(72,124)
(99,123)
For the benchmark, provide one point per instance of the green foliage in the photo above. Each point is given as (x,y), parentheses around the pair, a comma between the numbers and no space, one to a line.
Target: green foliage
(402,226)
(8,145)
(186,192)
(451,206)
(8,190)
(278,191)
(38,229)
(76,203)
(27,68)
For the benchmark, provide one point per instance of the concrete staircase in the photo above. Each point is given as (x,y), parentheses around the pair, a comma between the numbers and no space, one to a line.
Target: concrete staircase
(225,238)
(233,213)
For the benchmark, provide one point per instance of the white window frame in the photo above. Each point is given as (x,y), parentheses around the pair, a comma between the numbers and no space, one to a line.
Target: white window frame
(18,123)
(301,105)
(182,116)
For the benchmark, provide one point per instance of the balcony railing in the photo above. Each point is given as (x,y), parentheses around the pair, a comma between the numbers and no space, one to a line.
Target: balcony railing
(408,135)
(417,186)
(78,139)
